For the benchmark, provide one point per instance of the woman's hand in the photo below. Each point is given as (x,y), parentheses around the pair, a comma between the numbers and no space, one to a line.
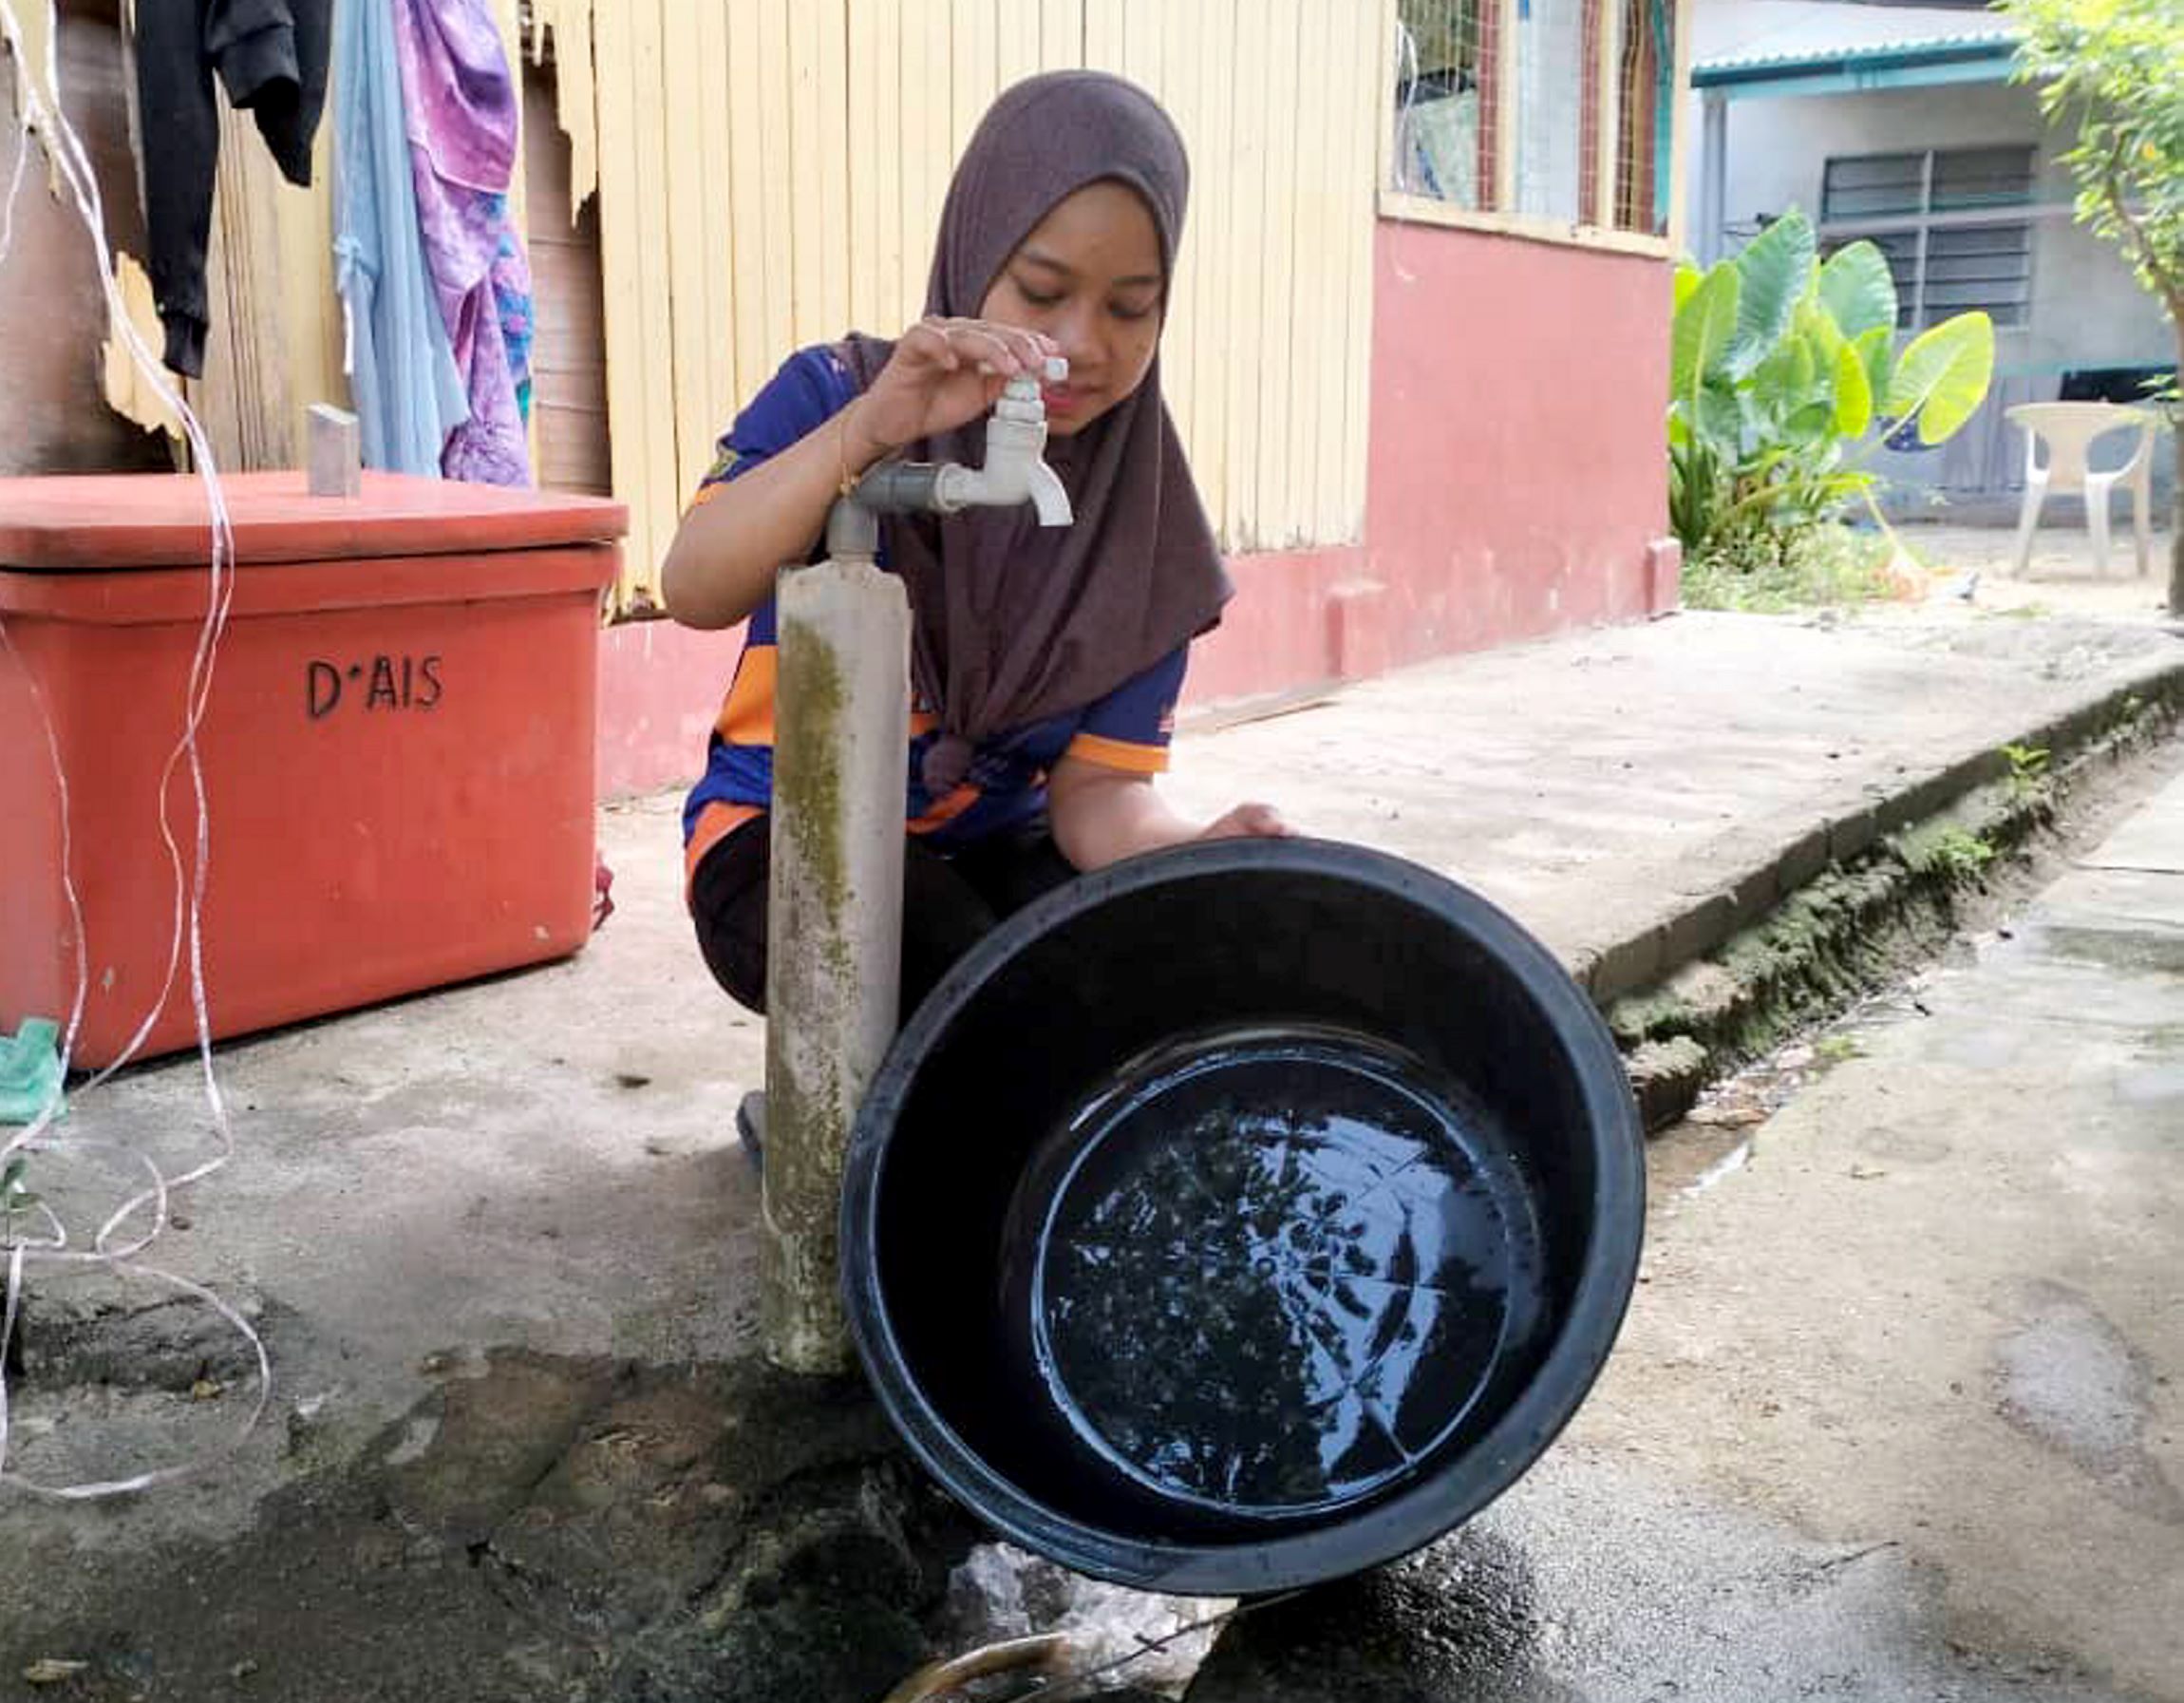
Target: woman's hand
(1101,815)
(943,373)
(1250,821)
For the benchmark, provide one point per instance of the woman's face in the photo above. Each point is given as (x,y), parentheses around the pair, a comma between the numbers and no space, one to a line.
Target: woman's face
(1089,278)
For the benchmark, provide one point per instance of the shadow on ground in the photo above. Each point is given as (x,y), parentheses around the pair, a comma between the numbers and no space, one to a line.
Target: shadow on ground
(542,1527)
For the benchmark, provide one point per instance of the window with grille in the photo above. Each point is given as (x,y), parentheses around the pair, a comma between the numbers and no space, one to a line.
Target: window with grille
(1942,218)
(1557,96)
(1448,90)
(1644,49)
(1556,111)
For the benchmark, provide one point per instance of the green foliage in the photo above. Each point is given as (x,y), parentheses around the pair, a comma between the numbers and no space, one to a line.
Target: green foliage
(2028,769)
(1783,379)
(1942,376)
(2114,69)
(1958,854)
(1774,269)
(1826,565)
(1858,291)
(1853,393)
(1705,326)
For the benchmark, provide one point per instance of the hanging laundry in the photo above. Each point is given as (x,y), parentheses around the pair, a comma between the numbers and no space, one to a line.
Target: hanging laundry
(462,101)
(409,396)
(30,1069)
(270,56)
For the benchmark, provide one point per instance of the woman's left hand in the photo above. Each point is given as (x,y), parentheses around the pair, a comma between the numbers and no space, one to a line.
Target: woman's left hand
(1101,815)
(1250,821)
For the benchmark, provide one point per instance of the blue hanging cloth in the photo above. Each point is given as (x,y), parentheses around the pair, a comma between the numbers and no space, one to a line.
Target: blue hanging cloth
(409,397)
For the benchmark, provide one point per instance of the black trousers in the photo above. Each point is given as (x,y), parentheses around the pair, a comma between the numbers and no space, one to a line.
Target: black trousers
(273,57)
(949,904)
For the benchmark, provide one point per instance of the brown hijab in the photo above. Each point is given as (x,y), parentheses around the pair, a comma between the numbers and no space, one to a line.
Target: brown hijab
(1015,622)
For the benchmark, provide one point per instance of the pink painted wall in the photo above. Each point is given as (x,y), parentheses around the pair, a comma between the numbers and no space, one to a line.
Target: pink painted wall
(1516,487)
(1518,468)
(660,687)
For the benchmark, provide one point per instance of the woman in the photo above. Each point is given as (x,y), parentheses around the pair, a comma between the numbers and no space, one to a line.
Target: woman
(1046,663)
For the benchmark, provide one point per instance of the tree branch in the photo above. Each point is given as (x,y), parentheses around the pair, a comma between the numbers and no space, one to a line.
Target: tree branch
(2149,254)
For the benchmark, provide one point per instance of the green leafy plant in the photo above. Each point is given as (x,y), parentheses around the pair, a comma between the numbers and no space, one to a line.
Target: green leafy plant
(2028,768)
(1784,379)
(1958,853)
(1828,564)
(2114,69)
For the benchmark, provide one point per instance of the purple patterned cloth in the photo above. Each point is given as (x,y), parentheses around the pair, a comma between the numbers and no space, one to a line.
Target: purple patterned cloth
(461,100)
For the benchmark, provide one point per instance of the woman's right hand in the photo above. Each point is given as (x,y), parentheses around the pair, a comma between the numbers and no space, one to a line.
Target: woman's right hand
(943,373)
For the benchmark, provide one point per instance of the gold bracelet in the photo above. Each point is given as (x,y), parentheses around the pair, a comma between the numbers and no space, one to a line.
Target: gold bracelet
(848,485)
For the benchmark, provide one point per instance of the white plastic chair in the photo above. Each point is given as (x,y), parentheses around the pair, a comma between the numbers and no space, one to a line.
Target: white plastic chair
(2069,430)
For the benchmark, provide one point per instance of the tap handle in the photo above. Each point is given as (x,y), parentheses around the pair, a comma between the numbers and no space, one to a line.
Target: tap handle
(1021,398)
(1024,387)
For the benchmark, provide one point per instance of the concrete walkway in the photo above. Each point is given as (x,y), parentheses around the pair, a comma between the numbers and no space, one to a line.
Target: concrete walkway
(1898,1411)
(1633,794)
(544,1161)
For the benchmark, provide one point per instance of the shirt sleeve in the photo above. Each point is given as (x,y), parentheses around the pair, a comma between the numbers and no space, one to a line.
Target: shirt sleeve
(811,387)
(1130,728)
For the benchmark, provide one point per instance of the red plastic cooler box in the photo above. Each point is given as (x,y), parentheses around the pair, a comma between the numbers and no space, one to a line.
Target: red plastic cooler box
(398,749)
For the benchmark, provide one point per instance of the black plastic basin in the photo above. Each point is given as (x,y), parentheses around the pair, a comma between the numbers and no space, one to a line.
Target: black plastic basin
(1243,1217)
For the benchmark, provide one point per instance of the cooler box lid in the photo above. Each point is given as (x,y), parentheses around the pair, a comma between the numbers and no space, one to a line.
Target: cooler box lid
(105,523)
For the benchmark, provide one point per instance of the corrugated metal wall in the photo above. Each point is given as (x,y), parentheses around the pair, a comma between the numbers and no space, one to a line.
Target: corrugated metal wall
(770,174)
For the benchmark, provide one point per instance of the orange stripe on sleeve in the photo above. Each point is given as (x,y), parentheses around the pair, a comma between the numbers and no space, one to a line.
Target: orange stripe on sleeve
(955,804)
(1120,753)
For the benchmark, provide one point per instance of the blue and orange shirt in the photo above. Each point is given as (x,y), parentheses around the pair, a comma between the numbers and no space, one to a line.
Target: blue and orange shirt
(1005,785)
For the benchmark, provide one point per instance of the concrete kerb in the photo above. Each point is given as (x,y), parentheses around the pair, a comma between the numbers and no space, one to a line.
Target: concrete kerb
(1674,1049)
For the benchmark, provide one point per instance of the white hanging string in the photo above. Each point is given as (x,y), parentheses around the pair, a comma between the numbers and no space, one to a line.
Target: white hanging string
(14,190)
(42,112)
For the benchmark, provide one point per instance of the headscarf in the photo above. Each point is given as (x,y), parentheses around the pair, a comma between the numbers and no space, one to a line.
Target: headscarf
(1015,622)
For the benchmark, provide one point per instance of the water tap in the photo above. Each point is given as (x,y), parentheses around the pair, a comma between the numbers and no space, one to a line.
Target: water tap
(1015,471)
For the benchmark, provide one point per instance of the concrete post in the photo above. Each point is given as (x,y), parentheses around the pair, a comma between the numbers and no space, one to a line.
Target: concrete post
(1714,180)
(841,724)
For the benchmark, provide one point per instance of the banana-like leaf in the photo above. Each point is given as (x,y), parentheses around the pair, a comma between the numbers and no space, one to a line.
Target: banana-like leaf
(1858,291)
(1854,393)
(1722,418)
(1787,380)
(1942,376)
(1810,423)
(1804,368)
(1705,324)
(1876,348)
(1689,277)
(1776,267)
(1816,324)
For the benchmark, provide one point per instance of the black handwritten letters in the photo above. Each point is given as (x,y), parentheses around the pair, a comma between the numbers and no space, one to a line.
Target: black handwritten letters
(381,683)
